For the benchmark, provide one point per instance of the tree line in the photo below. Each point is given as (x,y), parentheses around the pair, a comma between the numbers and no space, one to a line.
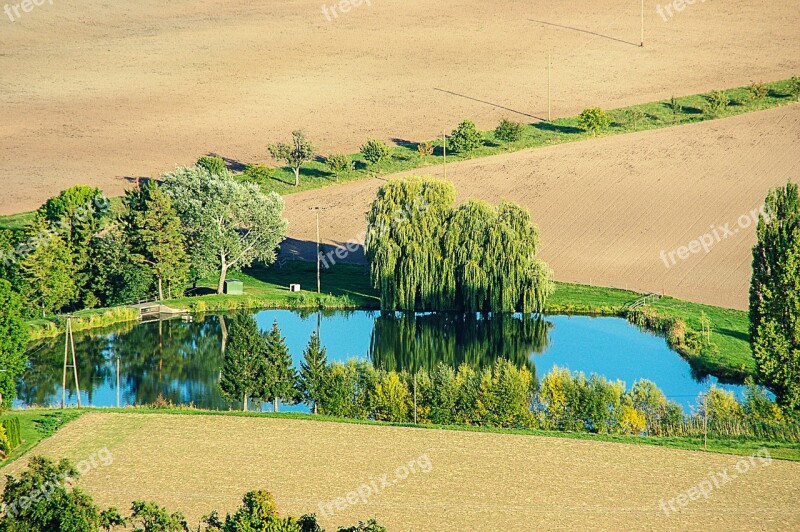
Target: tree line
(43,498)
(81,251)
(258,366)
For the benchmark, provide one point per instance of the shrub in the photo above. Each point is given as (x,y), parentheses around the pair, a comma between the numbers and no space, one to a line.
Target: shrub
(465,137)
(794,88)
(676,108)
(593,120)
(758,91)
(11,430)
(258,173)
(631,421)
(215,165)
(391,399)
(716,102)
(509,131)
(425,149)
(633,116)
(375,151)
(339,164)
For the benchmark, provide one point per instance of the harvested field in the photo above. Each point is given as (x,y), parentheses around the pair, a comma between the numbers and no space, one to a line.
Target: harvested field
(475,481)
(100,93)
(608,208)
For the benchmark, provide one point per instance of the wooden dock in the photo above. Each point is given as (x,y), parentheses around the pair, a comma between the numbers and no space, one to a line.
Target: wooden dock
(157,311)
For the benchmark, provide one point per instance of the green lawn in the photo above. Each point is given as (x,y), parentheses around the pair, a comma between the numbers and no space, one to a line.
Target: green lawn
(36,425)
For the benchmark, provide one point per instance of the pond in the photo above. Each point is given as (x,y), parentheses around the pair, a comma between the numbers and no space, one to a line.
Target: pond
(181,360)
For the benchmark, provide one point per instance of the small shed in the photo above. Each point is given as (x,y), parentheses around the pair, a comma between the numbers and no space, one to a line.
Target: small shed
(234,287)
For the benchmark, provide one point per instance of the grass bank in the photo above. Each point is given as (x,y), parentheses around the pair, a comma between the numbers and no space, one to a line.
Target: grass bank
(653,115)
(36,425)
(54,419)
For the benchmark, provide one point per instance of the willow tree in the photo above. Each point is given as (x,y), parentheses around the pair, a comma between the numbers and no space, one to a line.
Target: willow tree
(407,222)
(427,255)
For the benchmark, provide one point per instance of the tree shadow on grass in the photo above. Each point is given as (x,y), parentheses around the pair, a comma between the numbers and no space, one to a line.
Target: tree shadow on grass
(555,128)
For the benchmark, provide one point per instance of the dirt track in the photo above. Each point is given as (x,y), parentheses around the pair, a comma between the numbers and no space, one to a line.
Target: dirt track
(608,208)
(473,481)
(94,91)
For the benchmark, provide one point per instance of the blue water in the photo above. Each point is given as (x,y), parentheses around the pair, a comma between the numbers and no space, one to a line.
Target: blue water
(181,361)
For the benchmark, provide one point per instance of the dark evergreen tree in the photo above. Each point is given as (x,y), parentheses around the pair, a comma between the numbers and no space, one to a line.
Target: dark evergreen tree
(242,368)
(313,370)
(13,339)
(279,381)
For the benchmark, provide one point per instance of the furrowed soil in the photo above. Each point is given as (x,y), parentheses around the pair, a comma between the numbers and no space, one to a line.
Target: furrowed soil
(462,480)
(608,208)
(101,93)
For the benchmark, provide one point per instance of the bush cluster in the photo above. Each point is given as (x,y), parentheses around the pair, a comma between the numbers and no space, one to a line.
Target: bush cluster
(70,508)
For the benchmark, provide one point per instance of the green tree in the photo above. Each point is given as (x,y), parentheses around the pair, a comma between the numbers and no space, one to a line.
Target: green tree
(375,151)
(41,500)
(339,164)
(280,378)
(150,517)
(243,366)
(508,131)
(716,102)
(47,273)
(215,165)
(155,236)
(633,116)
(391,399)
(593,120)
(313,372)
(465,138)
(116,278)
(794,88)
(13,339)
(76,215)
(775,296)
(258,512)
(299,152)
(228,224)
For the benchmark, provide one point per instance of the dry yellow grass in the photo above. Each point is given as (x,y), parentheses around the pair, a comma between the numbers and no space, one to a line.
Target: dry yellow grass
(607,208)
(94,91)
(477,481)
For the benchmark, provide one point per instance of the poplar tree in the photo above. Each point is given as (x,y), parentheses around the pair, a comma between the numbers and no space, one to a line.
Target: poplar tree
(313,370)
(775,296)
(279,378)
(47,274)
(13,341)
(242,368)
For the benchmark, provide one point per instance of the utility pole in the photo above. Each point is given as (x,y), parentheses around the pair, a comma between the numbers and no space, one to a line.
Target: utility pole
(117,381)
(705,421)
(415,398)
(319,285)
(548,88)
(444,152)
(642,40)
(69,341)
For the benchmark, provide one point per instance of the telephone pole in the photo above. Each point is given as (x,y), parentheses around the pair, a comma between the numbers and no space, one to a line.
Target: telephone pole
(69,342)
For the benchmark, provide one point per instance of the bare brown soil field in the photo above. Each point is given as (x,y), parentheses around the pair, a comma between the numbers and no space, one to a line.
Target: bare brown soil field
(607,208)
(474,481)
(99,92)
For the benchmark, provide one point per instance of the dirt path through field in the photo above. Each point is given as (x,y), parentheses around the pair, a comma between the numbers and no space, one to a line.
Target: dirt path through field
(99,93)
(608,208)
(460,481)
